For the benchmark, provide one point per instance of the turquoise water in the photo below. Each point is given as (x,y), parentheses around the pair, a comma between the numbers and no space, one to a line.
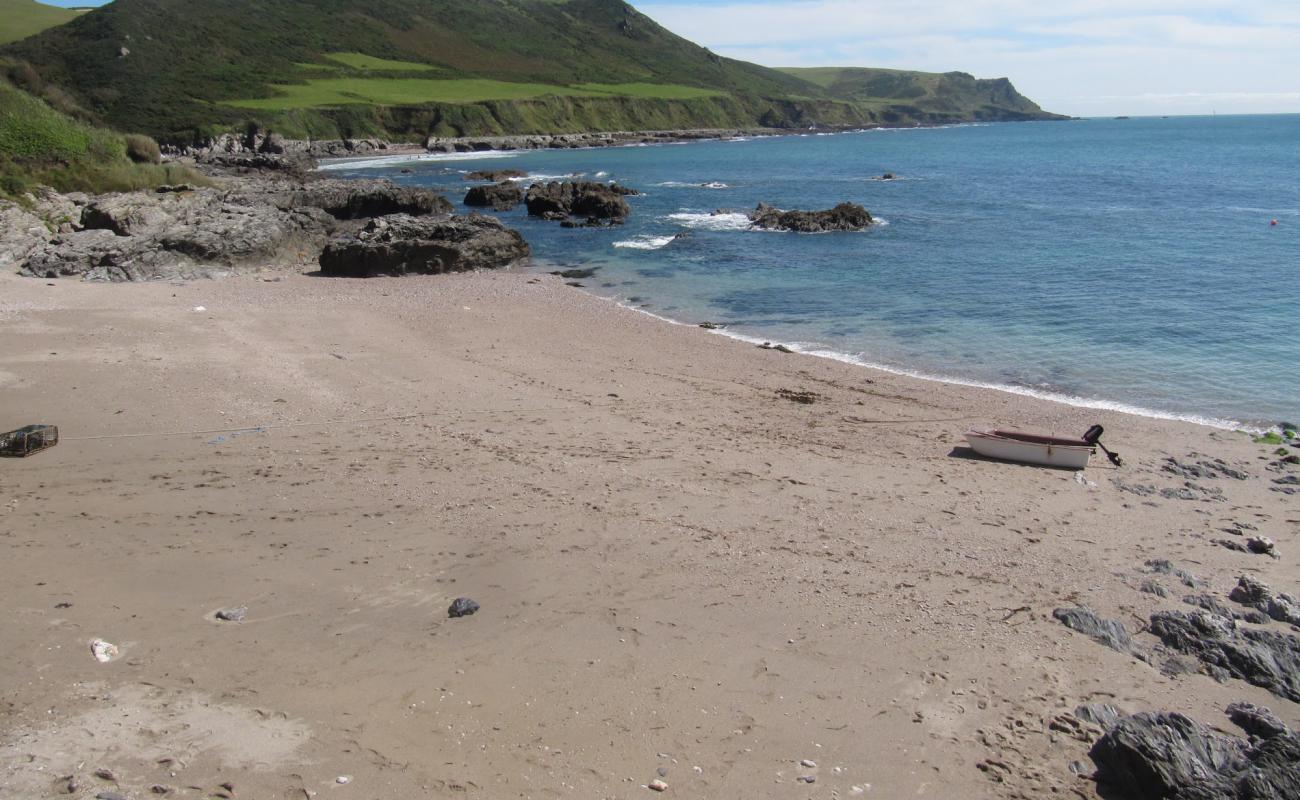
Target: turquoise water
(1125,264)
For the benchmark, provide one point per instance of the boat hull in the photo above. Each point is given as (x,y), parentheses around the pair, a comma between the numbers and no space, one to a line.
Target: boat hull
(993,444)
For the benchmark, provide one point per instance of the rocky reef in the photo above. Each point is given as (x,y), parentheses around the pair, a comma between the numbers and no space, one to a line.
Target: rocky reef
(496,196)
(843,217)
(571,202)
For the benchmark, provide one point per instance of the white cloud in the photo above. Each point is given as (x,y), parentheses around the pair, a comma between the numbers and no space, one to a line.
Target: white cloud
(1072,56)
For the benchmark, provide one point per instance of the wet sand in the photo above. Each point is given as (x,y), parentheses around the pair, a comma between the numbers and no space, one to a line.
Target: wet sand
(679,568)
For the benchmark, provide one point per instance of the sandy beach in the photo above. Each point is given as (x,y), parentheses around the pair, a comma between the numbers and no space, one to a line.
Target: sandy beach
(684,575)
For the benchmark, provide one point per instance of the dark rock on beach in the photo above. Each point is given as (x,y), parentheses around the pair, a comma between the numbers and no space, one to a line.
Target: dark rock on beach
(1109,632)
(497,196)
(844,217)
(1166,755)
(405,245)
(1279,606)
(462,607)
(1260,657)
(581,199)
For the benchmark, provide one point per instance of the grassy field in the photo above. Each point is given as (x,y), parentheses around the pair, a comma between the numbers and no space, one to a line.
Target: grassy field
(363,62)
(333,92)
(22,18)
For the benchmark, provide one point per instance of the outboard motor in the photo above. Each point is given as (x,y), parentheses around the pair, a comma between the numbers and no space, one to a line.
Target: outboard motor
(1093,437)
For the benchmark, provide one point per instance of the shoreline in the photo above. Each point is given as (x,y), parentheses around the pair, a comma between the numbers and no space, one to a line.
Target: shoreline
(1094,404)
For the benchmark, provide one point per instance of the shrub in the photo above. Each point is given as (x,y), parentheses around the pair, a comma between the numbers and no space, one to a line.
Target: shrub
(142,150)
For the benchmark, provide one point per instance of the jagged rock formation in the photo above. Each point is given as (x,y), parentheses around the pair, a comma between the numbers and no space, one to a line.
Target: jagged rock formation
(497,196)
(404,245)
(596,202)
(1173,757)
(843,217)
(1261,657)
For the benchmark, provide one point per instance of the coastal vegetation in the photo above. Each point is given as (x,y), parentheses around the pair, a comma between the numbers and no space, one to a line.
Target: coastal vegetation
(22,18)
(42,146)
(402,69)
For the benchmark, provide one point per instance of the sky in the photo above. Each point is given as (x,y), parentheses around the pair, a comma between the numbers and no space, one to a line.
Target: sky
(1079,57)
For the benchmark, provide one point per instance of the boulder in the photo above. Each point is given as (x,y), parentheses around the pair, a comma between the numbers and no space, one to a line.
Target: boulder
(843,217)
(404,245)
(124,214)
(594,201)
(1170,756)
(497,196)
(367,198)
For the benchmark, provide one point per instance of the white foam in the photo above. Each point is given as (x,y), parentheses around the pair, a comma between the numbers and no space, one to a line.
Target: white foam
(545,178)
(645,242)
(381,162)
(818,351)
(685,185)
(711,222)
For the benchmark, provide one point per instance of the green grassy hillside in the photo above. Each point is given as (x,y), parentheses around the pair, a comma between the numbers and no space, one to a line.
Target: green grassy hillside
(929,95)
(22,18)
(182,69)
(39,145)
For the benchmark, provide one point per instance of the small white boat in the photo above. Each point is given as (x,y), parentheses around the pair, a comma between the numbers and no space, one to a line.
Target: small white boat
(1032,448)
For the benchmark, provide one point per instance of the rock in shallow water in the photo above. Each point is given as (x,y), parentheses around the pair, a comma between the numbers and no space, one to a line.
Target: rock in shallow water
(499,197)
(582,199)
(404,245)
(844,217)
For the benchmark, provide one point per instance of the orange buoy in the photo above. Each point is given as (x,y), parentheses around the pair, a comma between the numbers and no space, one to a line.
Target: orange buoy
(1274,222)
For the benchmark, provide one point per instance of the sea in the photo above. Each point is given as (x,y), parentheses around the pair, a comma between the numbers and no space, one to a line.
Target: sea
(1144,265)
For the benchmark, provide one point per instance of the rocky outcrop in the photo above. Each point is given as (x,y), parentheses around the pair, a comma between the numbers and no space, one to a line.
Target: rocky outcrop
(598,203)
(843,217)
(140,236)
(1166,755)
(1263,658)
(406,245)
(497,196)
(290,165)
(1279,606)
(21,232)
(366,198)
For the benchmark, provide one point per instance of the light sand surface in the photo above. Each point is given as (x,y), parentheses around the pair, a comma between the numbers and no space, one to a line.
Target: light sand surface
(678,568)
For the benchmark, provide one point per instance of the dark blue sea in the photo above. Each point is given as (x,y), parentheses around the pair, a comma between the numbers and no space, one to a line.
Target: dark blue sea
(1120,264)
